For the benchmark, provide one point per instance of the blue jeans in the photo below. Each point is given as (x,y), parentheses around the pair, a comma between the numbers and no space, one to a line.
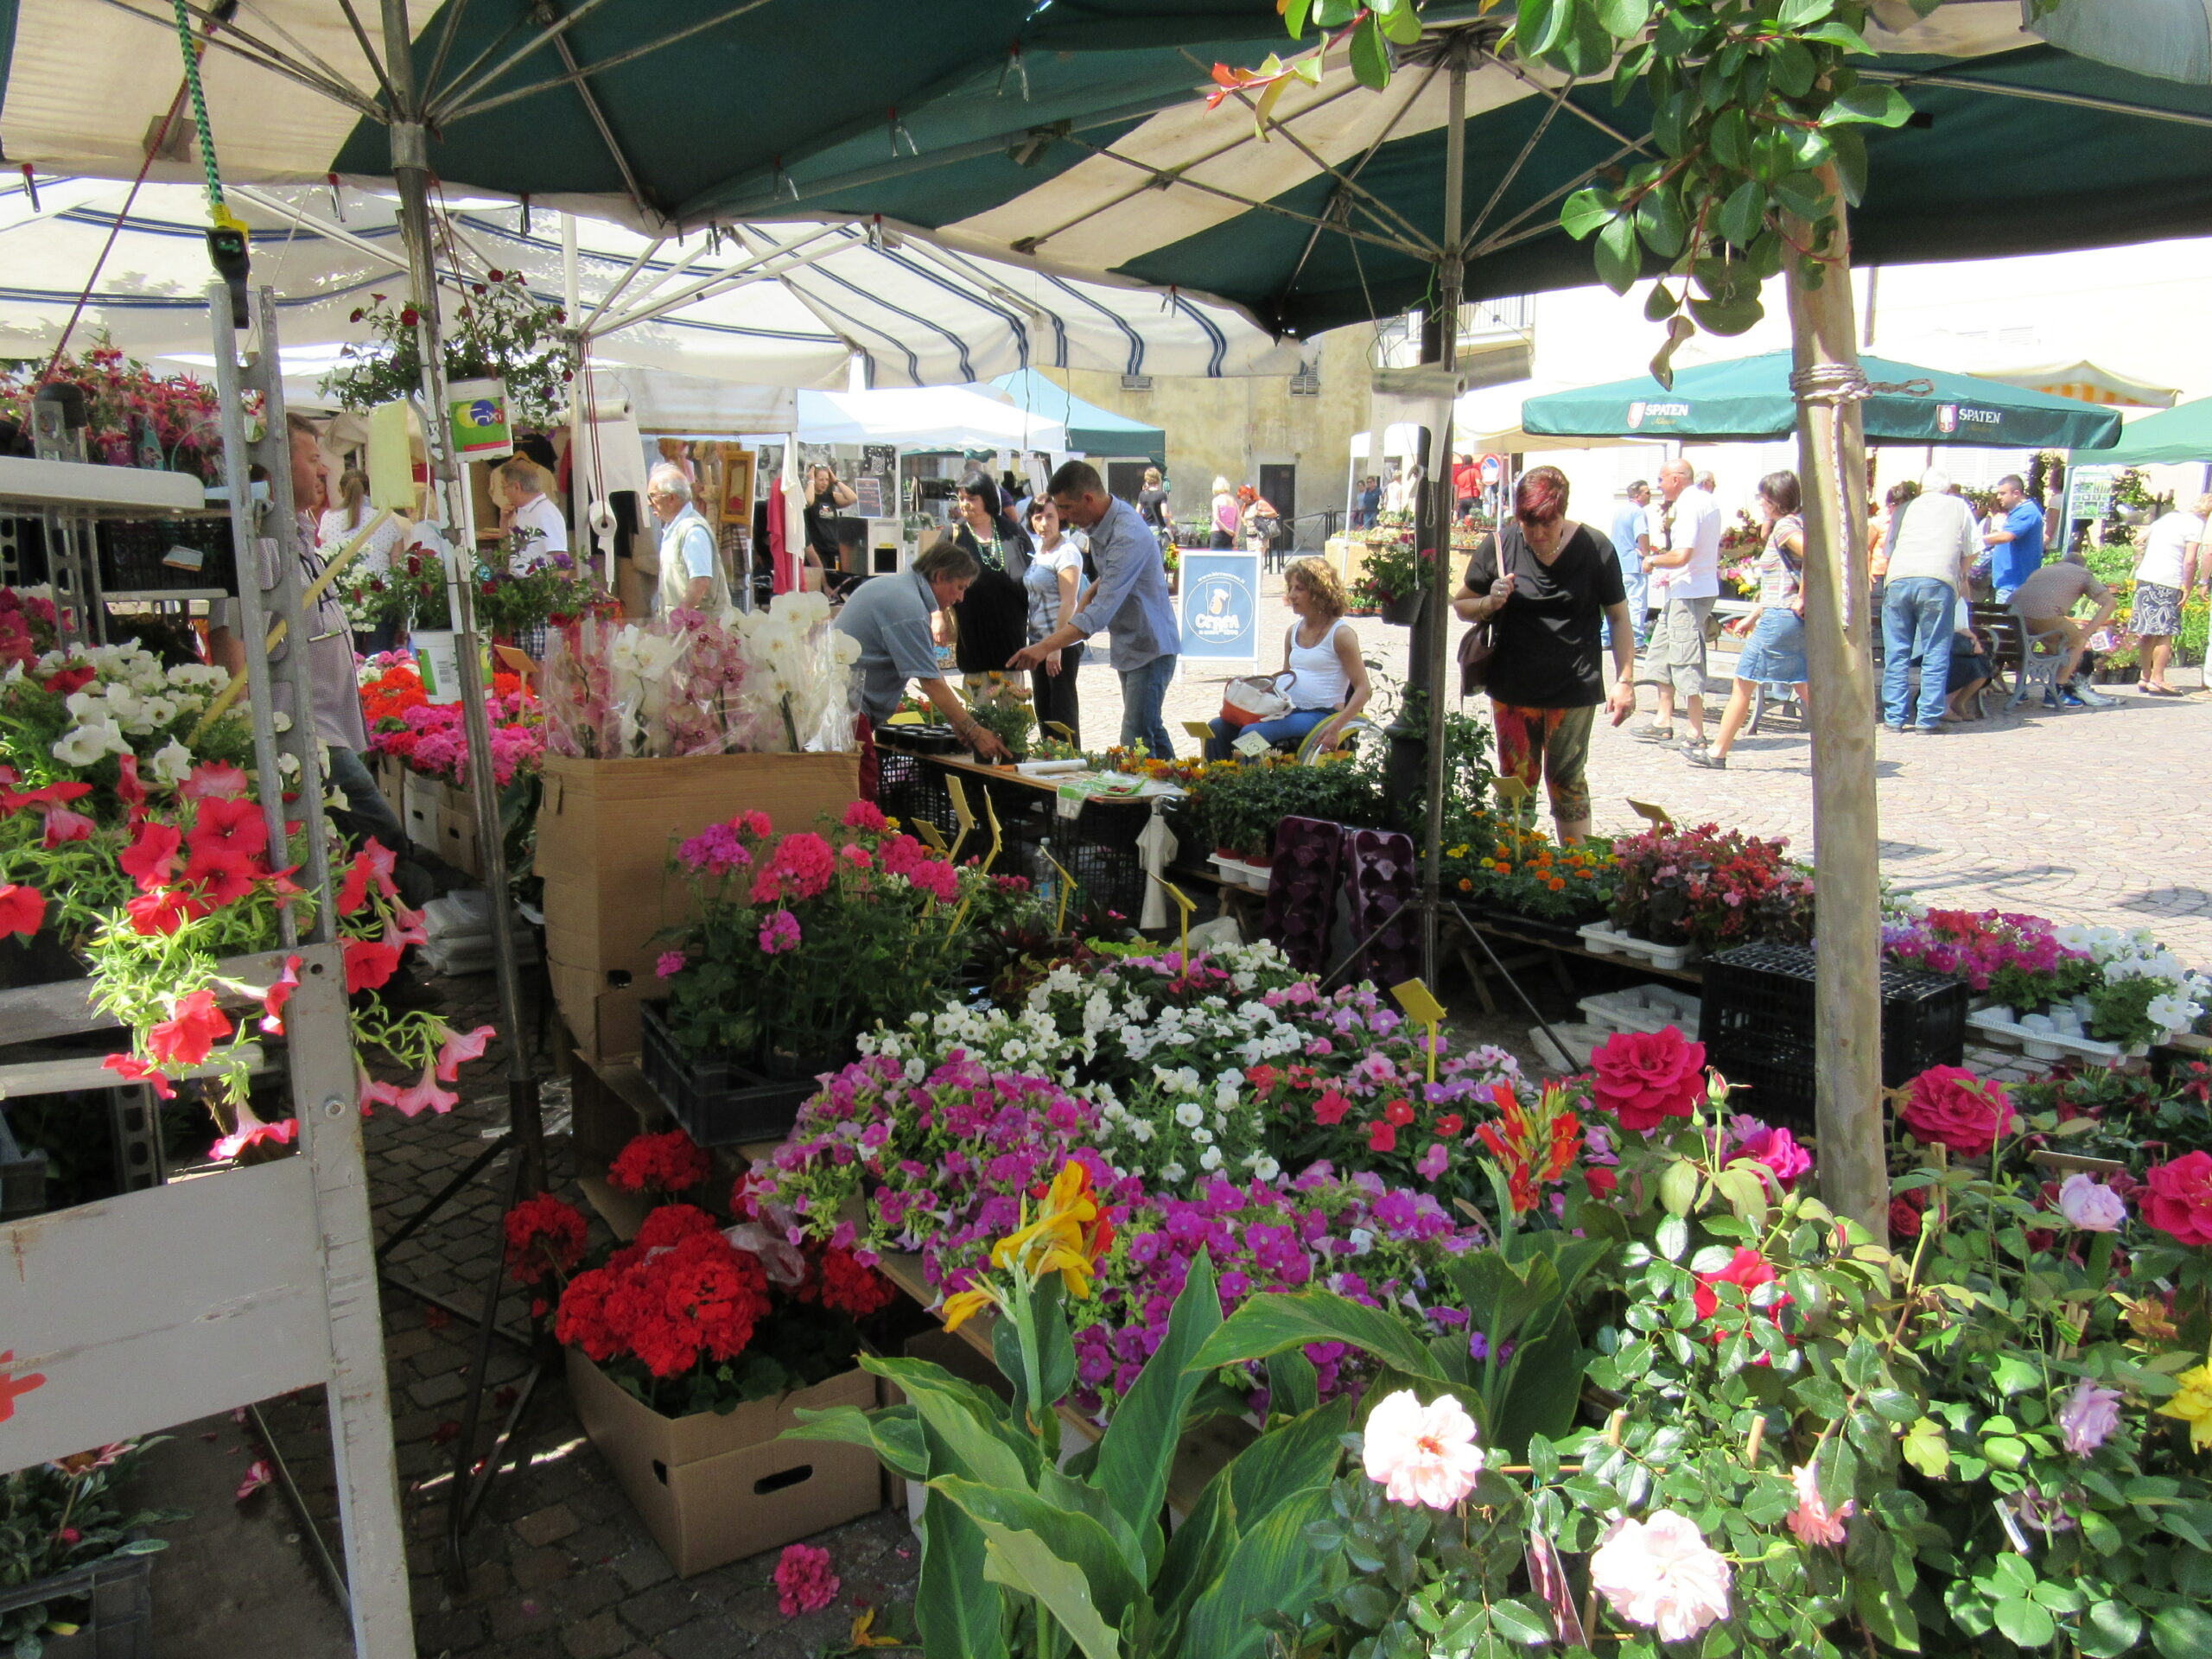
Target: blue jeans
(1291,728)
(1638,586)
(1143,690)
(1917,616)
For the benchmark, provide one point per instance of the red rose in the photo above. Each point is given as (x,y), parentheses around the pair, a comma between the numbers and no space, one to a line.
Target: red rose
(1951,1107)
(1644,1078)
(2177,1198)
(1746,1268)
(1904,1220)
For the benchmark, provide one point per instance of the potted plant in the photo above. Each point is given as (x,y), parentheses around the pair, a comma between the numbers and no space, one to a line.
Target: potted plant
(1683,892)
(1171,557)
(66,1548)
(1002,707)
(694,1346)
(499,331)
(1395,580)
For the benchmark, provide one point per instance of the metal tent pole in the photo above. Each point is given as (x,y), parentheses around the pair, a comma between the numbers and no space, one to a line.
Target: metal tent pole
(525,1125)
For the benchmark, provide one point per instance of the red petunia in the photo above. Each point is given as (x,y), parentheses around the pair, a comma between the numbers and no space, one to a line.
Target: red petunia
(63,825)
(151,859)
(132,1067)
(189,1034)
(369,964)
(213,780)
(229,828)
(163,912)
(23,910)
(274,999)
(374,863)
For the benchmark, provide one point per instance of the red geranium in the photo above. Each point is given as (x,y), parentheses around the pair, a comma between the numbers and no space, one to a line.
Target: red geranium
(192,1029)
(843,1285)
(2177,1198)
(667,1307)
(545,1235)
(665,1163)
(1645,1077)
(1950,1106)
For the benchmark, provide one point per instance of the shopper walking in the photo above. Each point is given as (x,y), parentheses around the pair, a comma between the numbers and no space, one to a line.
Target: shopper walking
(1923,563)
(1226,516)
(1370,502)
(1152,505)
(1053,583)
(1328,683)
(1128,600)
(1548,585)
(827,498)
(1684,572)
(1630,544)
(2171,562)
(1775,652)
(1466,487)
(993,620)
(691,577)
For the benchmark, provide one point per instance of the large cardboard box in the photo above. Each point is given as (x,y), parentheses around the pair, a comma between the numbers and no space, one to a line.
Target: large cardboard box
(604,833)
(422,810)
(714,1489)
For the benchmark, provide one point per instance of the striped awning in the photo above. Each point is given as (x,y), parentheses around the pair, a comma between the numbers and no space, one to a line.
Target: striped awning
(2086,383)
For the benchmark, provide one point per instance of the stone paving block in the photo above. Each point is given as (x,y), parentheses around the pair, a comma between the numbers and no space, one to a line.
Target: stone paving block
(702,1638)
(547,1526)
(601,1636)
(643,1568)
(534,1569)
(661,1608)
(585,1593)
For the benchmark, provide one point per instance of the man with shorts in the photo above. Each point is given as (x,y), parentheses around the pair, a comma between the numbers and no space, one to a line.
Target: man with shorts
(1684,571)
(2046,600)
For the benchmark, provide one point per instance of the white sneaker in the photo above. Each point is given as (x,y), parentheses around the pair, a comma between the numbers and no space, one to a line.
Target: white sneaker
(2094,699)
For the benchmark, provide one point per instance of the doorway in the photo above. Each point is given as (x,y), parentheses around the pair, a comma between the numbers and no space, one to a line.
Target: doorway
(1125,478)
(1279,484)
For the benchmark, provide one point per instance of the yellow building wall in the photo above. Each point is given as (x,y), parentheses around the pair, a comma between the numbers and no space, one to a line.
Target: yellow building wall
(1231,428)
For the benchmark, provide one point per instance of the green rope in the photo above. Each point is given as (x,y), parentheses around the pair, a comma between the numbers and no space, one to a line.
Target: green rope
(191,49)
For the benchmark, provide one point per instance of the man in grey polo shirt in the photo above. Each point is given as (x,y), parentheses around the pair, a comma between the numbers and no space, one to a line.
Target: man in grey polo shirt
(890,618)
(1130,601)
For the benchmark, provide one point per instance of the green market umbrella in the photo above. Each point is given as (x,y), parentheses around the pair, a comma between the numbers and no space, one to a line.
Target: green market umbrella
(2173,435)
(1749,397)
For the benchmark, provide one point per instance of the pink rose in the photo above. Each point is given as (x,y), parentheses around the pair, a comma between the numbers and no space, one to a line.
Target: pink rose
(1422,1454)
(2090,1204)
(1662,1574)
(1951,1107)
(2177,1197)
(1644,1078)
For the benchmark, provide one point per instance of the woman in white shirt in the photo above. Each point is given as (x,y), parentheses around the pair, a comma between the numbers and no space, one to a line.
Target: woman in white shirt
(2170,565)
(1327,684)
(1775,652)
(339,526)
(1053,586)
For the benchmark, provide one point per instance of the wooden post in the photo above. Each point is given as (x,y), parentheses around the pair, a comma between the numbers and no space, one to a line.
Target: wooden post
(1832,463)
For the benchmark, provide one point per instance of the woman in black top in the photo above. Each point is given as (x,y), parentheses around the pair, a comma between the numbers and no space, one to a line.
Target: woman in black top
(994,619)
(1547,585)
(827,497)
(1151,503)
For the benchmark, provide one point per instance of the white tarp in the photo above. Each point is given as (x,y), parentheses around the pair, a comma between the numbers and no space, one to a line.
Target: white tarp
(945,417)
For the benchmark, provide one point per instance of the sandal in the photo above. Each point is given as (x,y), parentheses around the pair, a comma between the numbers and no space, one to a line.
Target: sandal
(2150,691)
(1653,733)
(1706,758)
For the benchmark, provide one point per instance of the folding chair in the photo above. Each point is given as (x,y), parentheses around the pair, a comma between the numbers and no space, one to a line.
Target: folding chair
(2040,656)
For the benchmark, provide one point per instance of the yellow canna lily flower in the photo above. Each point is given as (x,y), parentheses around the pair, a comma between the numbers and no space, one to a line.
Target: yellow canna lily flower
(964,1307)
(1055,1231)
(1074,1268)
(2193,1405)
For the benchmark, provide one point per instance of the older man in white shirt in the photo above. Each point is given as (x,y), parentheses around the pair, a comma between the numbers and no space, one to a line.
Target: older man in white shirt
(690,566)
(1684,570)
(533,512)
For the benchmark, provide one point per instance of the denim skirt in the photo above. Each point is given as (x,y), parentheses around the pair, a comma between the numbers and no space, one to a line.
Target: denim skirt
(1775,654)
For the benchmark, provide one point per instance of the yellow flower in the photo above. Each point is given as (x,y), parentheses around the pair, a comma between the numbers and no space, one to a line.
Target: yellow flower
(864,1635)
(959,1309)
(2193,1405)
(1067,1237)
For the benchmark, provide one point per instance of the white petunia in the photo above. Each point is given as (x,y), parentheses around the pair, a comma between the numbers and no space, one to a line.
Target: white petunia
(81,745)
(1190,1115)
(1210,1159)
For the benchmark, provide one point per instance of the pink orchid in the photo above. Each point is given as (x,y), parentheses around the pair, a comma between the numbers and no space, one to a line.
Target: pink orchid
(455,1050)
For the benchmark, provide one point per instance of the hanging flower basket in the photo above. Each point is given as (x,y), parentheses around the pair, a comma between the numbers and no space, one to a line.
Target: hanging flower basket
(1404,611)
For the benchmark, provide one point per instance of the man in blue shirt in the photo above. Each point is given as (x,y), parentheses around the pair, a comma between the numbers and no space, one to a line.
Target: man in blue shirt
(1629,545)
(2016,548)
(1128,600)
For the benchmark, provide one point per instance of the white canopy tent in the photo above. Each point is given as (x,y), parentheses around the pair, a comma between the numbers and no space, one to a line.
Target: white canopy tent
(936,417)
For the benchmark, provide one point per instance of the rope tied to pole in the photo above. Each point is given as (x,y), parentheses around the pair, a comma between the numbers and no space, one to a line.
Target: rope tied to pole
(1835,386)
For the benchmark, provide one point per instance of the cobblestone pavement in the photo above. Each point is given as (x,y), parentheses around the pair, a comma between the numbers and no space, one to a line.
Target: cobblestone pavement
(2087,815)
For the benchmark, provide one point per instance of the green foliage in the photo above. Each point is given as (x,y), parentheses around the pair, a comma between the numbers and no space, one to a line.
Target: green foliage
(497,331)
(57,1517)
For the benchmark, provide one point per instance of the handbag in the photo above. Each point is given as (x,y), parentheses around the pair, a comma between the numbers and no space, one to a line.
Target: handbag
(1478,645)
(1253,698)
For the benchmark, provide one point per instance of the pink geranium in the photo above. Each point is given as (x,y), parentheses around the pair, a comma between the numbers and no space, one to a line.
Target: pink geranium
(805,1580)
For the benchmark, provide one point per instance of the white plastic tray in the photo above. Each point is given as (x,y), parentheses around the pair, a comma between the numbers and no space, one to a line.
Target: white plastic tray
(1605,941)
(1644,1008)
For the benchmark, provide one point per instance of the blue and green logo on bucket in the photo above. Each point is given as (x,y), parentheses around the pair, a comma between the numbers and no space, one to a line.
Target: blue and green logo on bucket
(476,411)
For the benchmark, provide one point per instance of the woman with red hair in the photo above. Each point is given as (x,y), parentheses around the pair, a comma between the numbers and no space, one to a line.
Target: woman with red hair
(1547,586)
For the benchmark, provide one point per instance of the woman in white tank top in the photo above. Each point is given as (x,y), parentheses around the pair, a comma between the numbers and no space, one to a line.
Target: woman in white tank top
(1327,679)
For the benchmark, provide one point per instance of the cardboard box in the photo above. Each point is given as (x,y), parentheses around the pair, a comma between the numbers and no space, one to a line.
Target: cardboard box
(391,783)
(422,801)
(605,831)
(714,1489)
(457,837)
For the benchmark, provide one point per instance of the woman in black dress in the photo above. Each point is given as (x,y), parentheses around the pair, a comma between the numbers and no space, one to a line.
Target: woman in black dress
(993,620)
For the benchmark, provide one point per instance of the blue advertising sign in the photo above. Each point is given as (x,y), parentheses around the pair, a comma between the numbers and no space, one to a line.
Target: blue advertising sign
(1221,606)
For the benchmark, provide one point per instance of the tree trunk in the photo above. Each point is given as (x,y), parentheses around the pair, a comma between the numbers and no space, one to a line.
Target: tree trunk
(1847,1042)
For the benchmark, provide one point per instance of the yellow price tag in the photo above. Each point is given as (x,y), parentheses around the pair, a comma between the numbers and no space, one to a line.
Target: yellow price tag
(1199,730)
(963,814)
(1658,816)
(930,834)
(1423,1009)
(1185,906)
(991,813)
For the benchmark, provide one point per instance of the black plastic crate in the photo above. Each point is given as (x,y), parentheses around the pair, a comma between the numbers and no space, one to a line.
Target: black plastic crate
(911,790)
(1757,1016)
(719,1102)
(22,550)
(132,551)
(117,1594)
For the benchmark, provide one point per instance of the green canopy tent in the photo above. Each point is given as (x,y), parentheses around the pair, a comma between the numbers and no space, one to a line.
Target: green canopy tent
(1093,430)
(2172,436)
(1749,397)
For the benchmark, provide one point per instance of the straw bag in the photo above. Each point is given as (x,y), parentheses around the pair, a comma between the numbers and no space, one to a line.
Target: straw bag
(1256,698)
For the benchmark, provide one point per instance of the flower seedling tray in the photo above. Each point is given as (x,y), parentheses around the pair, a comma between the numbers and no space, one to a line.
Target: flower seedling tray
(718,1102)
(1581,1039)
(119,1622)
(1606,941)
(1989,1027)
(1642,1007)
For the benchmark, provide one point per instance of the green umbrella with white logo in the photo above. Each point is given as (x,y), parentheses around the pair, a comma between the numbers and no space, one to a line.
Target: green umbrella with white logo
(1749,397)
